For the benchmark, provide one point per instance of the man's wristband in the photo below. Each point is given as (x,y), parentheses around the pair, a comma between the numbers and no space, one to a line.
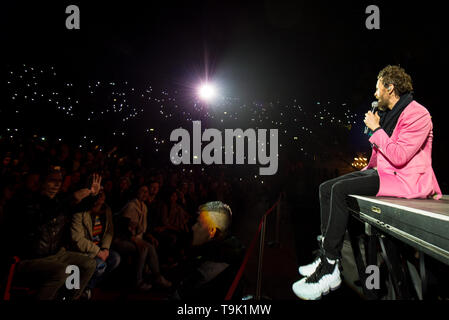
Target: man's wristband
(377,129)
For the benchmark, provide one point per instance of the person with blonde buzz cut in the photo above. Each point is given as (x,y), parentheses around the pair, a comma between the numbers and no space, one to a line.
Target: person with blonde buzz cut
(213,256)
(213,222)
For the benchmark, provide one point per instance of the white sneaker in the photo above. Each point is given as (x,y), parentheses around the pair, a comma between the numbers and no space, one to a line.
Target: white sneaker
(325,278)
(310,268)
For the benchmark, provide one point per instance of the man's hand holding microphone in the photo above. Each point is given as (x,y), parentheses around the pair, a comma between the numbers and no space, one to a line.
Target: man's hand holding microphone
(372,119)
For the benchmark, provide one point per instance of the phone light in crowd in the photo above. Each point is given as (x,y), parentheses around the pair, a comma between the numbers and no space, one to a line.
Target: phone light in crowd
(207,92)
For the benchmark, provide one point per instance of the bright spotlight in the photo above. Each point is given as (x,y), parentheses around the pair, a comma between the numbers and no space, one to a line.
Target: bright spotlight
(207,92)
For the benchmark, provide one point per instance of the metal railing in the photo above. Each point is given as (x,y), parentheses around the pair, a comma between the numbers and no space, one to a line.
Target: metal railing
(262,232)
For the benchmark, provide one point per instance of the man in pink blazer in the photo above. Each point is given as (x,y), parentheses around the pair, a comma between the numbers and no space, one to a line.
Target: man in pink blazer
(400,166)
(404,160)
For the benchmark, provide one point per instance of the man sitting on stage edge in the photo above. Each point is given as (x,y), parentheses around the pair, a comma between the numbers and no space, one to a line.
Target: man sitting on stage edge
(400,166)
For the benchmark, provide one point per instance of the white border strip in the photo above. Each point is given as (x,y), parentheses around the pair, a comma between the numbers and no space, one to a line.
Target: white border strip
(419,211)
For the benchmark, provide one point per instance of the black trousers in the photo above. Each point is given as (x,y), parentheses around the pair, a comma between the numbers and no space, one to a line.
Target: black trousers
(333,206)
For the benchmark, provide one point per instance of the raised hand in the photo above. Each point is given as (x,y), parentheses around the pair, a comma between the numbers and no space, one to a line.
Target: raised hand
(85,192)
(96,184)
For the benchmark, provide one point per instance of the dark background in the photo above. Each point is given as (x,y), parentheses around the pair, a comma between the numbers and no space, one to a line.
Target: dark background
(265,48)
(260,51)
(256,50)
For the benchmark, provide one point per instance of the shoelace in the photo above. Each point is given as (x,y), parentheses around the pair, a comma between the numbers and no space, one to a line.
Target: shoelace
(323,268)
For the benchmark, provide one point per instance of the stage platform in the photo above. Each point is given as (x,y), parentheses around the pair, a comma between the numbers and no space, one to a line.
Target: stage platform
(421,224)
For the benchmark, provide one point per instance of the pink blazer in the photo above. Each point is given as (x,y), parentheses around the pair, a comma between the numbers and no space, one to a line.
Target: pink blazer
(404,160)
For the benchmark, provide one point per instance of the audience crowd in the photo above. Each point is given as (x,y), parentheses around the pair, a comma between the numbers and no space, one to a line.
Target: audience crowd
(110,215)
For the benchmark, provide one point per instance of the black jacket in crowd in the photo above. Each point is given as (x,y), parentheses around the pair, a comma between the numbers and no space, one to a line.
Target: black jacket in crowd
(39,226)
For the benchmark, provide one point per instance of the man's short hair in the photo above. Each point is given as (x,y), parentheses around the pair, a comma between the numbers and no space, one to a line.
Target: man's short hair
(396,76)
(221,216)
(49,170)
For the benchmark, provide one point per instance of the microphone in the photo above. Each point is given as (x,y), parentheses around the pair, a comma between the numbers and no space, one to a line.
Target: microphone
(374,105)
